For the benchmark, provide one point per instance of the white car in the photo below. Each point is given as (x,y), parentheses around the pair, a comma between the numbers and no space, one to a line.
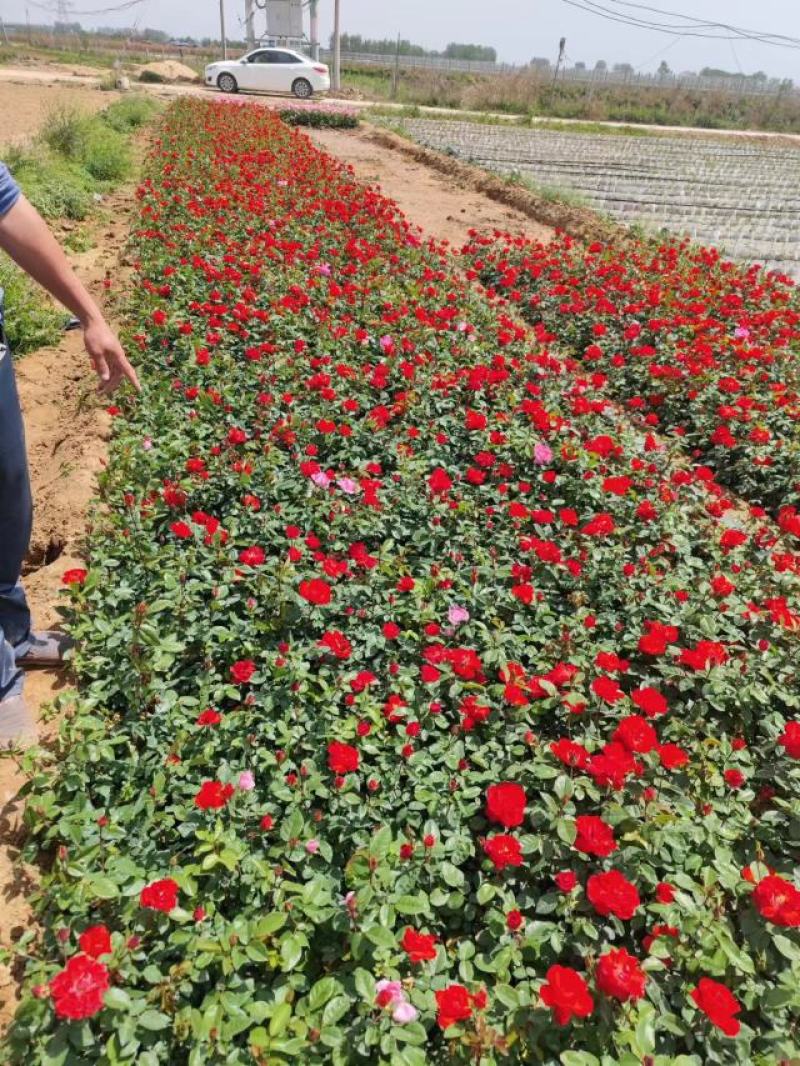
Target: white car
(274,70)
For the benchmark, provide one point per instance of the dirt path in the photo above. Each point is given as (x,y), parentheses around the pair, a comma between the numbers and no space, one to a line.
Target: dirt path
(436,202)
(23,108)
(67,429)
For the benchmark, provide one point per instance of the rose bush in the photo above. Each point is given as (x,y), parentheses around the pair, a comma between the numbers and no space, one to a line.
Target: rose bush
(438,773)
(690,343)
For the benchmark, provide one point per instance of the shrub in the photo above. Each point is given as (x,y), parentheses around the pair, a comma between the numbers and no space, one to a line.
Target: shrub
(130,113)
(432,713)
(107,156)
(65,131)
(319,117)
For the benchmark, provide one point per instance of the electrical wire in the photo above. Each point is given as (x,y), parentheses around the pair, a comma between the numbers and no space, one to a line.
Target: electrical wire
(592,8)
(706,23)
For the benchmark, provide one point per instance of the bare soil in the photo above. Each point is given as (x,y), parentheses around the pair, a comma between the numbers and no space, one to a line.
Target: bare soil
(67,429)
(23,108)
(444,206)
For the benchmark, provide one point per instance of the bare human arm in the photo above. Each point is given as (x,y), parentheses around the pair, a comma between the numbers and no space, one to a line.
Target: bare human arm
(25,236)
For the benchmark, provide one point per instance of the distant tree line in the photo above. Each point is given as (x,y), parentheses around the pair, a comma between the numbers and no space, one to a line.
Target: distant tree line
(354,42)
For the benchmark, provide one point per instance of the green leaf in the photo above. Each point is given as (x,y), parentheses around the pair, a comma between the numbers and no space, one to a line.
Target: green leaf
(322,992)
(154,1020)
(411,904)
(291,951)
(117,999)
(380,936)
(280,1019)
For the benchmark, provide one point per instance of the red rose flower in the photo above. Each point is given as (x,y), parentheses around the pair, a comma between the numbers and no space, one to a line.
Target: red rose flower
(594,836)
(613,893)
(181,530)
(734,778)
(160,895)
(95,941)
(718,1004)
(337,644)
(665,892)
(570,753)
(777,900)
(505,804)
(454,1004)
(636,734)
(650,701)
(607,689)
(252,556)
(514,920)
(213,795)
(789,739)
(440,481)
(566,880)
(420,947)
(78,989)
(342,758)
(567,994)
(620,976)
(74,577)
(242,671)
(672,757)
(657,638)
(391,630)
(316,591)
(503,850)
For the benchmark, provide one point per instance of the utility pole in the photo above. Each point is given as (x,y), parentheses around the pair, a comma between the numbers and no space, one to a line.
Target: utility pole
(314,28)
(223,39)
(396,75)
(562,50)
(337,45)
(249,22)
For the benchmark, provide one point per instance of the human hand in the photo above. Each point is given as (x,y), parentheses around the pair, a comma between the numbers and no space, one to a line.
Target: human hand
(107,356)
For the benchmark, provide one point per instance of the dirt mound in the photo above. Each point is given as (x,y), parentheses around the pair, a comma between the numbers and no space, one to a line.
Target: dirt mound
(170,70)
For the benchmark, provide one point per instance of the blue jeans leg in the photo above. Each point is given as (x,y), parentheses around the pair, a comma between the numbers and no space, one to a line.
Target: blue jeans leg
(16,517)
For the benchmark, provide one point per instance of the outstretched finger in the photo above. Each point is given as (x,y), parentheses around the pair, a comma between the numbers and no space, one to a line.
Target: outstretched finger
(101,369)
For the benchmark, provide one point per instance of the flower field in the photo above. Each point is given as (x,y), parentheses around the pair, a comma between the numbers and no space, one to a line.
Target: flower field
(432,712)
(736,194)
(688,341)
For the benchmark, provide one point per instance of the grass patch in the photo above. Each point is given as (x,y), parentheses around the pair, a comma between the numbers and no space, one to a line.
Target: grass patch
(74,161)
(553,194)
(31,321)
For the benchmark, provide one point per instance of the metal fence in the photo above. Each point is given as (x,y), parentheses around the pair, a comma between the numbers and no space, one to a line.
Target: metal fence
(739,85)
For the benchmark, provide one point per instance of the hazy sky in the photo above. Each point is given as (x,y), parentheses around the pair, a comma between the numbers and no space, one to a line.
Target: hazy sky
(518,29)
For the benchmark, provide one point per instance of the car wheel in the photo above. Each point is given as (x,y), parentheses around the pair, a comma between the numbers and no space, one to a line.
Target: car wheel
(301,88)
(228,83)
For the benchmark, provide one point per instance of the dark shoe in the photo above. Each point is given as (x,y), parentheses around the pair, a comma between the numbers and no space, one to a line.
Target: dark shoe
(17,724)
(47,649)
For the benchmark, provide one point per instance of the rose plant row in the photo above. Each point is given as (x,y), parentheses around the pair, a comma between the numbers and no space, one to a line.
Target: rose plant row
(690,343)
(430,712)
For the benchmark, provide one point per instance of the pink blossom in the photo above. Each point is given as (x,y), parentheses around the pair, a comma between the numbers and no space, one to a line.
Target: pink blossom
(321,479)
(456,615)
(404,1013)
(312,847)
(542,454)
(393,988)
(247,781)
(147,443)
(386,343)
(346,484)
